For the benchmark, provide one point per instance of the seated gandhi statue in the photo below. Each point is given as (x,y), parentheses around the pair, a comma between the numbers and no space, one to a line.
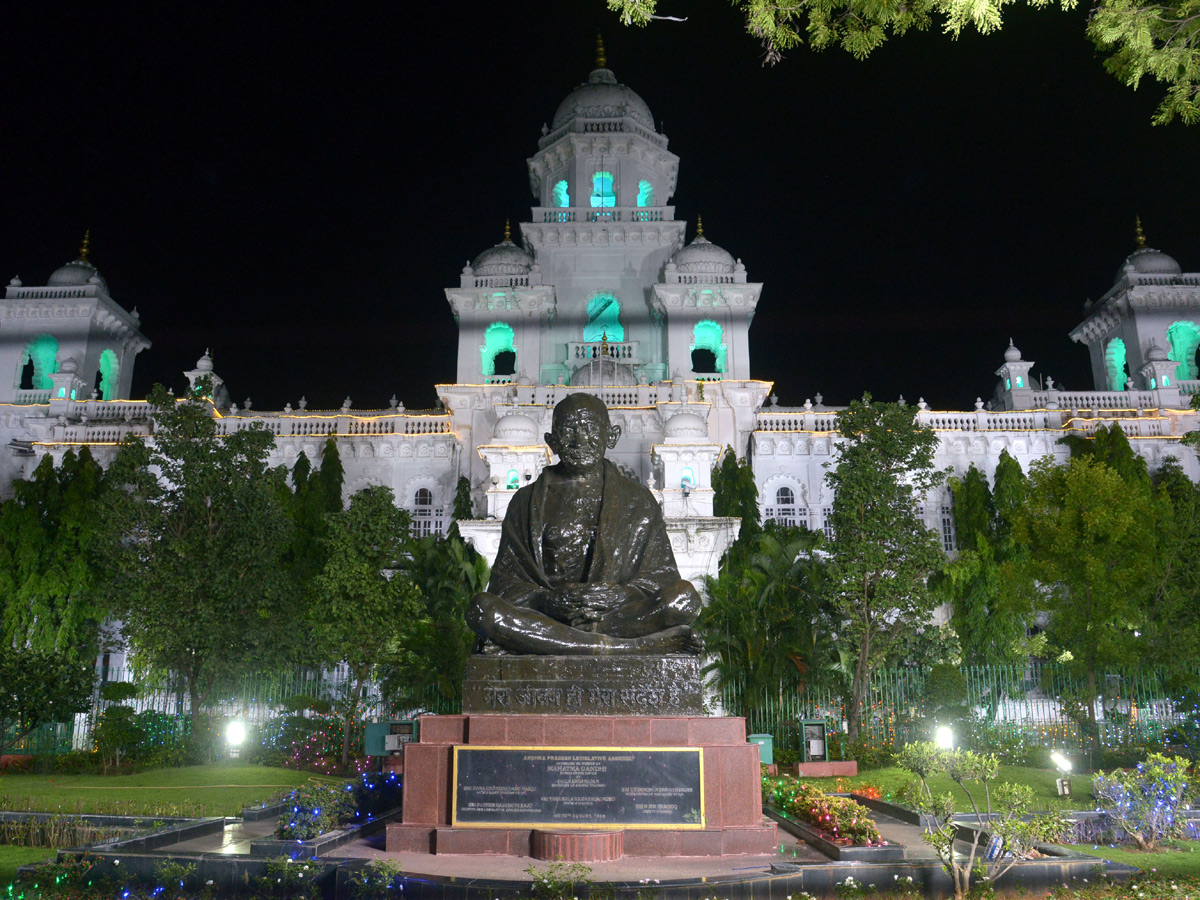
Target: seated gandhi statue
(585,566)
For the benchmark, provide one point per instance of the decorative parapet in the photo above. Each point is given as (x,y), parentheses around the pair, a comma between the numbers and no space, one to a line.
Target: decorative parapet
(552,214)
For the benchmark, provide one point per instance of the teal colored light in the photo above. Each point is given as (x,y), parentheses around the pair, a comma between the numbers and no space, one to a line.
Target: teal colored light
(602,191)
(688,475)
(43,352)
(73,391)
(604,319)
(1184,338)
(1166,381)
(496,339)
(707,335)
(1019,381)
(62,392)
(1114,364)
(645,193)
(108,375)
(1153,383)
(1008,384)
(514,480)
(562,196)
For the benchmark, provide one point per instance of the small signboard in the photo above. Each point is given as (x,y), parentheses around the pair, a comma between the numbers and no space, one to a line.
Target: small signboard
(578,787)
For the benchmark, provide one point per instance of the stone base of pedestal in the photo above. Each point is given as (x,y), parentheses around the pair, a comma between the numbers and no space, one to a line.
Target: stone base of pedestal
(733,822)
(842,769)
(578,846)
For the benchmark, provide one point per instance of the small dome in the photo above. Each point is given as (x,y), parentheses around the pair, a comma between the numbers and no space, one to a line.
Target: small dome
(506,258)
(69,366)
(516,429)
(685,426)
(704,257)
(602,97)
(204,363)
(1012,354)
(1155,353)
(1148,261)
(603,371)
(77,272)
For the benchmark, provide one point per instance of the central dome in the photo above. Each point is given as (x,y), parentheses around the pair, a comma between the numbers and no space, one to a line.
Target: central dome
(603,372)
(76,273)
(602,97)
(1148,261)
(506,258)
(702,256)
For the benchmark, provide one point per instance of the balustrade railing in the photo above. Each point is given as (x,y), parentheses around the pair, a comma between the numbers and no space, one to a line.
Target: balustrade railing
(603,214)
(620,351)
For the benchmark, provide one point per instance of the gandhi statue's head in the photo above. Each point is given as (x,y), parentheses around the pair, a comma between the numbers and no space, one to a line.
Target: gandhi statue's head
(580,433)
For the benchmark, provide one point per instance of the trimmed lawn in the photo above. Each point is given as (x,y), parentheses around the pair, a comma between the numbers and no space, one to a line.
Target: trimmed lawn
(892,779)
(12,857)
(222,789)
(1176,858)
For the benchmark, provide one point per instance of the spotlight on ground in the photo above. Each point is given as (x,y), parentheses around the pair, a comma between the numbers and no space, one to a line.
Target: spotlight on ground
(1063,782)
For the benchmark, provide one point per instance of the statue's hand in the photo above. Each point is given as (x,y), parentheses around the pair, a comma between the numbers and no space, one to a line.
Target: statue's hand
(596,602)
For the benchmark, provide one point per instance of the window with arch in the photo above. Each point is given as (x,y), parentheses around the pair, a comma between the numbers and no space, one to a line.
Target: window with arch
(106,376)
(688,477)
(497,340)
(426,518)
(39,360)
(604,319)
(645,193)
(1184,338)
(1114,364)
(603,195)
(562,196)
(784,511)
(708,348)
(513,481)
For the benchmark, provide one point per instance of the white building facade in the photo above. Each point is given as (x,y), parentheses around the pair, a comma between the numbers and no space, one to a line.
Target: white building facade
(600,291)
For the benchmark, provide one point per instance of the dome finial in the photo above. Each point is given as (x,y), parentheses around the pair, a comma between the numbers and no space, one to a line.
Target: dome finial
(601,58)
(1137,230)
(87,239)
(508,229)
(699,227)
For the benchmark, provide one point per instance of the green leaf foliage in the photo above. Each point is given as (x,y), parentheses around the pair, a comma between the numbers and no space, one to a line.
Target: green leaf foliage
(48,596)
(767,626)
(38,687)
(193,541)
(735,495)
(882,554)
(357,600)
(1144,39)
(431,646)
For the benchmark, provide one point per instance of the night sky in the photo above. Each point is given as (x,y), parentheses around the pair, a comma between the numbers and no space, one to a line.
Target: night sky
(294,185)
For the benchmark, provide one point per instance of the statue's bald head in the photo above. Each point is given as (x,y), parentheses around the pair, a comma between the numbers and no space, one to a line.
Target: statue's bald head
(580,401)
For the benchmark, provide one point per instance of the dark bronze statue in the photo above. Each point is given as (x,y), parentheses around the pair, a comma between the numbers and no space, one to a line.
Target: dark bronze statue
(585,565)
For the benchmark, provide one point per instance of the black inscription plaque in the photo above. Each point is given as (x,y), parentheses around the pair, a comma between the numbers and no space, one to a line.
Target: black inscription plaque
(579,787)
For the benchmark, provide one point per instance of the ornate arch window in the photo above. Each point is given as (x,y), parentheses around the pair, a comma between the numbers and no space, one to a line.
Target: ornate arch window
(426,518)
(604,319)
(645,193)
(1184,338)
(708,348)
(562,196)
(785,510)
(39,360)
(1114,364)
(498,339)
(513,481)
(603,195)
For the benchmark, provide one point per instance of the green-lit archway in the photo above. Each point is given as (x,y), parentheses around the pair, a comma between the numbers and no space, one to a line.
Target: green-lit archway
(604,319)
(108,373)
(1114,364)
(42,352)
(1184,338)
(497,339)
(707,335)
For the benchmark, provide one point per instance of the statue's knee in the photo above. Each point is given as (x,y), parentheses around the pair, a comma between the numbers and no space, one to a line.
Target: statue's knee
(684,599)
(481,611)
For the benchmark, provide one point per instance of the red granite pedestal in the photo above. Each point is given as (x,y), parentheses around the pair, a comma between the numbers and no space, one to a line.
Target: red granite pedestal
(734,821)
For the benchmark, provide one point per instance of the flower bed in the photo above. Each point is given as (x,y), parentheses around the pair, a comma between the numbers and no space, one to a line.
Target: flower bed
(314,809)
(839,817)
